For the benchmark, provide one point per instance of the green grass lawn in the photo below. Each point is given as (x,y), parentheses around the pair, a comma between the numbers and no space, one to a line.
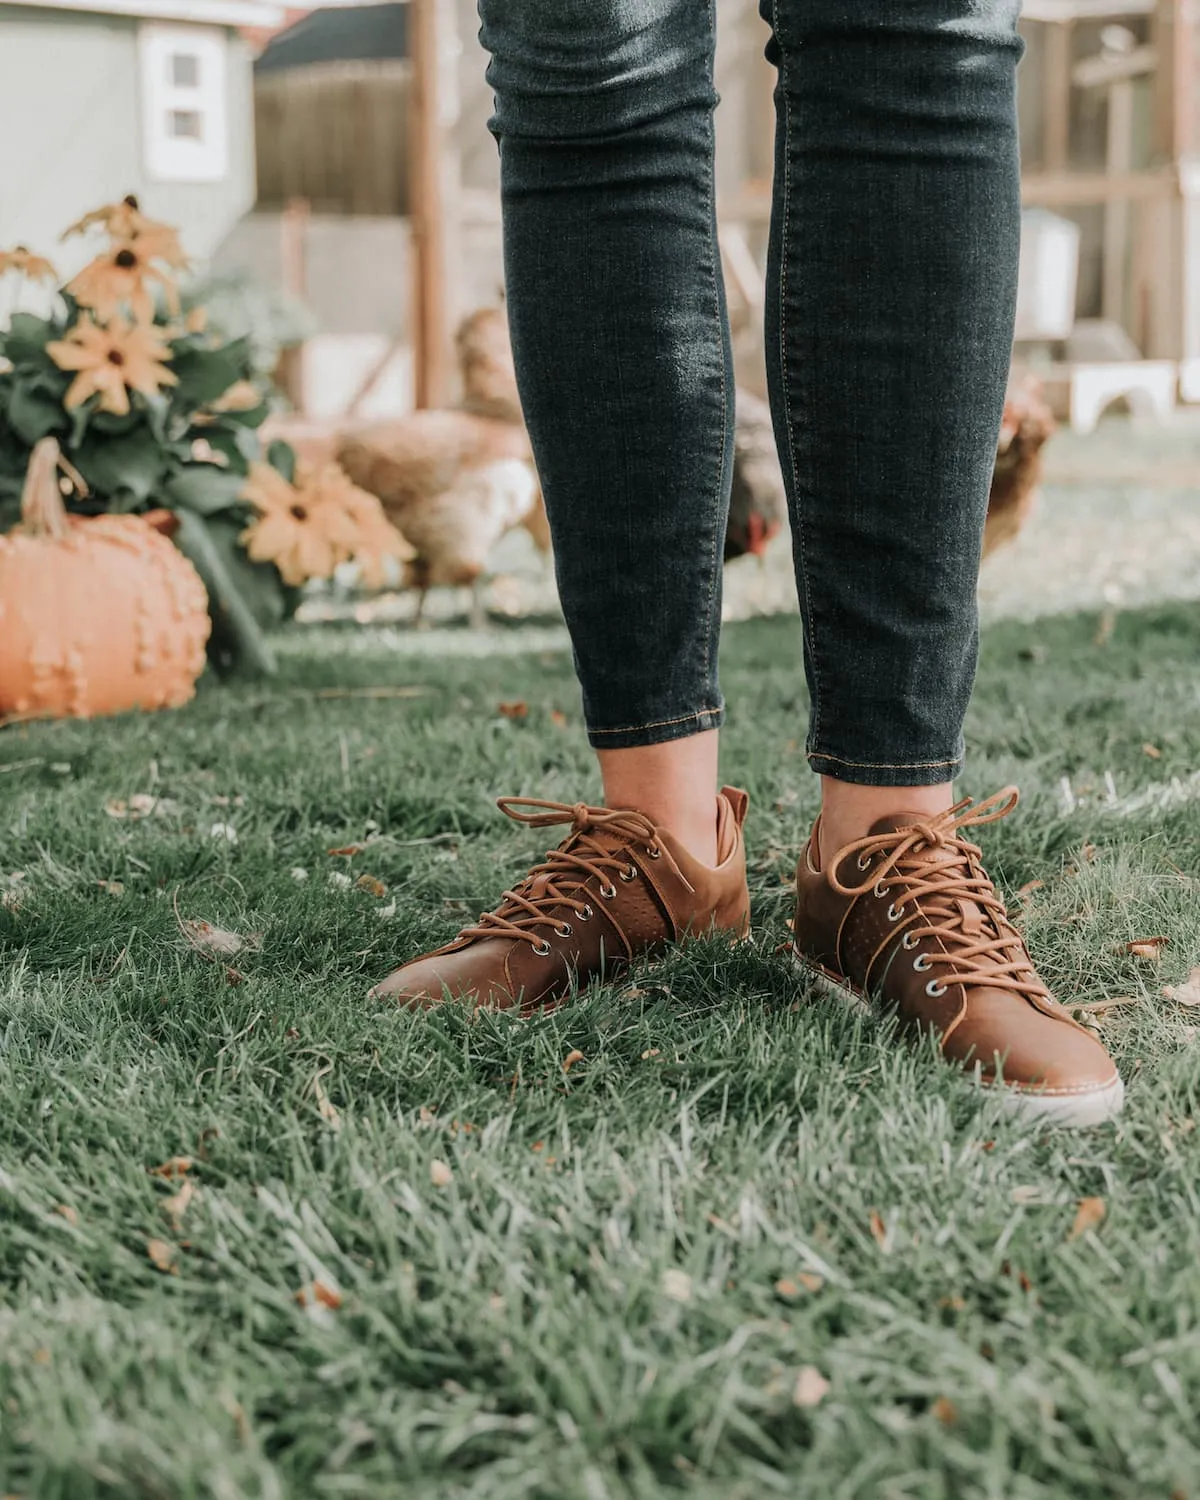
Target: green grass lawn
(599,1282)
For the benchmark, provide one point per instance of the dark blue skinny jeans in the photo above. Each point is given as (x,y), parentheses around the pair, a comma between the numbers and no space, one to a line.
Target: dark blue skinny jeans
(891,288)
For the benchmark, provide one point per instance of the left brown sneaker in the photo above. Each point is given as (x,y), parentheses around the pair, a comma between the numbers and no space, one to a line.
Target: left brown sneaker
(909,915)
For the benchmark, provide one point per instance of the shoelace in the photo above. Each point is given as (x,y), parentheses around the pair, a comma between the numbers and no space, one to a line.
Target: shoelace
(562,876)
(937,897)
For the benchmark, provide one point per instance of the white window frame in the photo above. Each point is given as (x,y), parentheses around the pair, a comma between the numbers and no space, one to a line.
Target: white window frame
(172,158)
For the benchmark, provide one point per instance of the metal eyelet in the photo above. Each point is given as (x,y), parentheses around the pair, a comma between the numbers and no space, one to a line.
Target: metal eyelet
(565,930)
(864,861)
(607,892)
(653,851)
(894,912)
(934,989)
(880,889)
(629,873)
(585,914)
(541,949)
(909,941)
(922,962)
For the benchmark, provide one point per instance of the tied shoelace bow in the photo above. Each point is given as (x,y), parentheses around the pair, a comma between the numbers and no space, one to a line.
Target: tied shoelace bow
(950,899)
(561,878)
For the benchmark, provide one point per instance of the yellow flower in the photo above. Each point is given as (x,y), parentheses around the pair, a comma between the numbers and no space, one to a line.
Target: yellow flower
(112,362)
(119,276)
(23,261)
(377,537)
(125,221)
(303,529)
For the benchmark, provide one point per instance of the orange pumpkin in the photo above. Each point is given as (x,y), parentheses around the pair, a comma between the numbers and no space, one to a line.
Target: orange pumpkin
(97,615)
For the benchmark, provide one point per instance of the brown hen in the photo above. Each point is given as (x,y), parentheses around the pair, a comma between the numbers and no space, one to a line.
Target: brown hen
(454,481)
(1027,423)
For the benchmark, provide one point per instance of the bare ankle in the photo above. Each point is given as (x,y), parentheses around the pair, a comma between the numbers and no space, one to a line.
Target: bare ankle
(674,784)
(850,811)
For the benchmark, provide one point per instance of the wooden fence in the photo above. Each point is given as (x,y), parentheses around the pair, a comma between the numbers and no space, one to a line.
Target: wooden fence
(336,135)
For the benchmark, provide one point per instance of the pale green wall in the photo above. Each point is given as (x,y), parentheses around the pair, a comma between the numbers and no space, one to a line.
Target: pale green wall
(70,134)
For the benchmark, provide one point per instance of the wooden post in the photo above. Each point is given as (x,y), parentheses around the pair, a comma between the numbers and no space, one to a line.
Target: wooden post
(1056,96)
(430,335)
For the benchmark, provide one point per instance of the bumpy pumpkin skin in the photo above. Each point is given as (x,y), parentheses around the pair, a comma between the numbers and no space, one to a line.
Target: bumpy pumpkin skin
(107,618)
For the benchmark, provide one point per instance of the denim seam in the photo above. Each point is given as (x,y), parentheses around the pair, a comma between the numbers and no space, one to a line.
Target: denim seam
(700,713)
(785,374)
(715,253)
(885,765)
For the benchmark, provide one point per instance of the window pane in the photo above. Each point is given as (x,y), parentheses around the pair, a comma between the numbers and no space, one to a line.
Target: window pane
(185,124)
(185,70)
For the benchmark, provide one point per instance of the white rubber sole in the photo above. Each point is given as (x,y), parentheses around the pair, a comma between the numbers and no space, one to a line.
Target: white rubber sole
(1076,1110)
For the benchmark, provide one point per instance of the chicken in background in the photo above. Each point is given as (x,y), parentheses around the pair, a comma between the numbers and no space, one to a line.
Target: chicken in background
(1025,427)
(454,481)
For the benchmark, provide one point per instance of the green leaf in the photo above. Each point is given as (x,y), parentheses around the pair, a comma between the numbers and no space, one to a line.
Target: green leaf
(203,488)
(238,592)
(205,374)
(133,463)
(282,456)
(26,339)
(34,411)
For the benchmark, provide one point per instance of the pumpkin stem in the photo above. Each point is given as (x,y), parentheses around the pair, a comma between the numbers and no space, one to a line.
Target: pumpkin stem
(42,509)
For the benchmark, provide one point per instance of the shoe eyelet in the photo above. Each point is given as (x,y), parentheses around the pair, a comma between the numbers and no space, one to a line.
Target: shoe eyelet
(864,861)
(541,949)
(922,962)
(880,889)
(629,873)
(934,989)
(894,912)
(653,851)
(565,930)
(585,913)
(607,892)
(909,941)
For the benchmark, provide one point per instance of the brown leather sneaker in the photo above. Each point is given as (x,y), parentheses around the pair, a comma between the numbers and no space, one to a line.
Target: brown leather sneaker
(617,888)
(909,915)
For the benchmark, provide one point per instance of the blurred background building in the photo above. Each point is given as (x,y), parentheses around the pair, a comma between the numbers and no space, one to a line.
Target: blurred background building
(308,153)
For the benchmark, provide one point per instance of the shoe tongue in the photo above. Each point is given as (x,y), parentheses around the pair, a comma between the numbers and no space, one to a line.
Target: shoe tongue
(610,840)
(971,916)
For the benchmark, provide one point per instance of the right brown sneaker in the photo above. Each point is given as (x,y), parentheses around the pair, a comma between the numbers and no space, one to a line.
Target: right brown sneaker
(617,888)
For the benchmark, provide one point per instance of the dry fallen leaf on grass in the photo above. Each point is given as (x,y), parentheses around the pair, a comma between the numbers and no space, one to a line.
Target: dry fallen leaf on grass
(440,1174)
(325,1106)
(880,1233)
(319,1294)
(177,1204)
(65,1211)
(212,942)
(1152,751)
(348,851)
(1088,1215)
(517,710)
(1029,887)
(112,887)
(558,718)
(945,1411)
(162,1255)
(790,1287)
(174,1166)
(1149,948)
(1187,993)
(811,1387)
(370,884)
(571,1059)
(676,1284)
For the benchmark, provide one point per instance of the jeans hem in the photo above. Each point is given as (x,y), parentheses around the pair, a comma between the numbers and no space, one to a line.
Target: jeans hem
(658,731)
(885,773)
